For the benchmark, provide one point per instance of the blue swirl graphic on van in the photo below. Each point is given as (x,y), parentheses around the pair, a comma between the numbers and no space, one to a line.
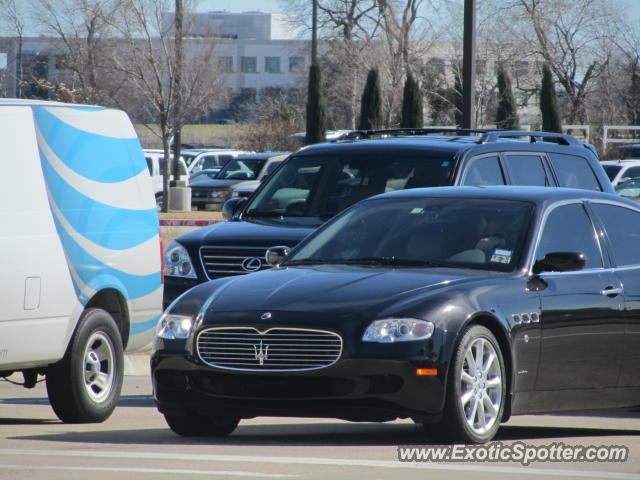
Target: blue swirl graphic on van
(93,156)
(91,179)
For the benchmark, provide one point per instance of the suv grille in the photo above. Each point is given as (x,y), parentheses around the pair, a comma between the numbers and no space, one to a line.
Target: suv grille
(277,349)
(223,261)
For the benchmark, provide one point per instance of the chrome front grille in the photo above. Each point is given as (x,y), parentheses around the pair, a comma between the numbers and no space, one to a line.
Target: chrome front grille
(225,261)
(277,349)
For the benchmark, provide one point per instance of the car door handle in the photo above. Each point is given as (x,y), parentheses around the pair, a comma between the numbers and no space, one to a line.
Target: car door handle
(612,291)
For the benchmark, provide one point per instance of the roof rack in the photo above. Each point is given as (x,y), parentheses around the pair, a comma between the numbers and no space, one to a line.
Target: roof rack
(488,135)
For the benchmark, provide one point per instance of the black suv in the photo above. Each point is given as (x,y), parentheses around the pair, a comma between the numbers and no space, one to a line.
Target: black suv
(319,181)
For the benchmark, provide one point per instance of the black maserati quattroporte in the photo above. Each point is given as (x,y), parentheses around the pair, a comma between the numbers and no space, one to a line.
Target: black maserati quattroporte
(455,307)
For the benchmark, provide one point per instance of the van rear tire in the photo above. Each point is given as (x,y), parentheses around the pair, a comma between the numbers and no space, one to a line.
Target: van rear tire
(85,385)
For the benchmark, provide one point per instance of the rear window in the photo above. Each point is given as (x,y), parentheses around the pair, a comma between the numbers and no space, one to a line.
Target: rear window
(611,170)
(574,172)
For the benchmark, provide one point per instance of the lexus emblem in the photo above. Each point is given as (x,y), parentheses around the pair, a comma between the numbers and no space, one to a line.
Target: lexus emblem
(265,316)
(251,264)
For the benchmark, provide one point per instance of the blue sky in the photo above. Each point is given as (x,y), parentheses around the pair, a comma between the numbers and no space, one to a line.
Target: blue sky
(270,6)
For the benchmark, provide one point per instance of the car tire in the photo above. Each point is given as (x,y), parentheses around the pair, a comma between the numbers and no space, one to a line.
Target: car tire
(85,385)
(201,426)
(476,389)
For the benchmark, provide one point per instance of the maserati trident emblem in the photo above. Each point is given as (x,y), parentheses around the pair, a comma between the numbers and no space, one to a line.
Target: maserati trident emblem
(261,352)
(266,316)
(251,264)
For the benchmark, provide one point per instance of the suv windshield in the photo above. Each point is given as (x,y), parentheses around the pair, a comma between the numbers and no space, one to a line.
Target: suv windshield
(242,169)
(423,232)
(307,191)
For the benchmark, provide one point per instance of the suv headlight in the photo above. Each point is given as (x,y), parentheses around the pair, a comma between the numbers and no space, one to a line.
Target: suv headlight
(171,326)
(219,194)
(177,262)
(390,330)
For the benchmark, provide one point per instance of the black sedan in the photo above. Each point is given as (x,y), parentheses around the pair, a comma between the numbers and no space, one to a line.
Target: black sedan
(455,307)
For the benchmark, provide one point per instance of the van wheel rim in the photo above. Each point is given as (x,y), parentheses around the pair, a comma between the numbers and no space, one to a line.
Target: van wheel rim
(99,367)
(481,385)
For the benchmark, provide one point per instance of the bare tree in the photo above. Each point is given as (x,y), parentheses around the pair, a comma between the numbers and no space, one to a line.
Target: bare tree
(147,64)
(85,28)
(12,18)
(572,37)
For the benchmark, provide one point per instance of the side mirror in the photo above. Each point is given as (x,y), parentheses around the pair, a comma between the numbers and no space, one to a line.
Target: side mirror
(275,255)
(560,262)
(232,206)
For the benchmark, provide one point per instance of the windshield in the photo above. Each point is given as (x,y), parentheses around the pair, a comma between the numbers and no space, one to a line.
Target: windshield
(310,190)
(439,232)
(611,170)
(630,188)
(242,169)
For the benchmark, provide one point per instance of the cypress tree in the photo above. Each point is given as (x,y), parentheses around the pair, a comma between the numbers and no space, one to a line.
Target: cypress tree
(371,105)
(549,103)
(411,104)
(315,107)
(507,111)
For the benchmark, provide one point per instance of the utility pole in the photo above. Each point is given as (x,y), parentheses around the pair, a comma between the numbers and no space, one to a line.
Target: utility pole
(469,65)
(177,110)
(314,33)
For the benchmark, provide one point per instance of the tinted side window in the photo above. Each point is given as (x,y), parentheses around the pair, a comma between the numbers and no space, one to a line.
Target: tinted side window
(574,172)
(527,170)
(569,229)
(149,165)
(623,229)
(484,171)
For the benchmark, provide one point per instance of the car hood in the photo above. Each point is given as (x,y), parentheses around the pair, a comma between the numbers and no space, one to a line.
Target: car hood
(239,233)
(335,289)
(218,183)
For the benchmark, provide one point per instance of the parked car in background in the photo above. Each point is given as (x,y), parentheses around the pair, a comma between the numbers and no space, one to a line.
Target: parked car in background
(244,170)
(630,151)
(629,189)
(619,171)
(207,158)
(245,191)
(319,181)
(155,165)
(455,307)
(81,270)
(203,175)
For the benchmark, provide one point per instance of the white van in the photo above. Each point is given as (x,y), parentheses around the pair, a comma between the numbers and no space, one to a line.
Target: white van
(155,165)
(80,252)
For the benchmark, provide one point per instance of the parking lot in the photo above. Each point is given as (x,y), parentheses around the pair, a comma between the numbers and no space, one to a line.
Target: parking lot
(135,442)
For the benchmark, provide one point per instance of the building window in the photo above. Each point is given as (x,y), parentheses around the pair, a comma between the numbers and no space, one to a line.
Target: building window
(272,64)
(225,64)
(296,64)
(248,64)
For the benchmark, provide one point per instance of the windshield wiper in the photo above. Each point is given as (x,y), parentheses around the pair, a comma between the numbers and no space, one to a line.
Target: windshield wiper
(393,261)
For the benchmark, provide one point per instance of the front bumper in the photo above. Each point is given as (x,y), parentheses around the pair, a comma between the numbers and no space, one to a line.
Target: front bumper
(357,389)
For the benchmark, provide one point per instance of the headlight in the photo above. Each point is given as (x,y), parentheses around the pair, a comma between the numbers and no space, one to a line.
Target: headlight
(177,262)
(219,194)
(171,326)
(391,330)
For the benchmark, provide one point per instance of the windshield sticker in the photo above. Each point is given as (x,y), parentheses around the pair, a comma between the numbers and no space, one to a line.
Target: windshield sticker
(501,256)
(445,163)
(417,210)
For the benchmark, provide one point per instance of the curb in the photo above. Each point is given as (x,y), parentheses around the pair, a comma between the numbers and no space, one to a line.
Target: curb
(175,222)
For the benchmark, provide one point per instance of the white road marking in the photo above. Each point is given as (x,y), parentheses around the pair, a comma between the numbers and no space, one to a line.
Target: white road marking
(515,470)
(168,471)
